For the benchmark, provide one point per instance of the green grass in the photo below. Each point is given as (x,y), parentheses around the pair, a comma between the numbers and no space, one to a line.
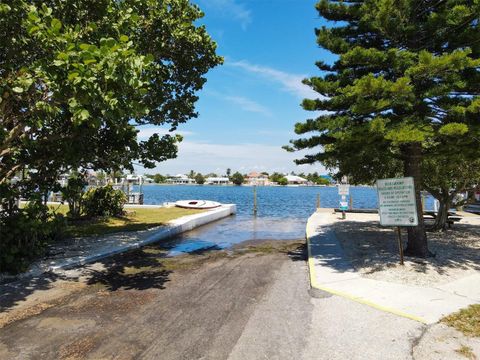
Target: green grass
(134,220)
(466,320)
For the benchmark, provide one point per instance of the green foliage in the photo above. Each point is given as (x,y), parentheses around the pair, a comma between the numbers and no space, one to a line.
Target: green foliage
(199,179)
(159,179)
(282,181)
(449,172)
(103,201)
(25,233)
(73,194)
(406,73)
(79,76)
(278,178)
(317,179)
(237,178)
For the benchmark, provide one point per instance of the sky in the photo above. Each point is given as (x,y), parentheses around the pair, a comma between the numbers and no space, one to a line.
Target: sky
(250,104)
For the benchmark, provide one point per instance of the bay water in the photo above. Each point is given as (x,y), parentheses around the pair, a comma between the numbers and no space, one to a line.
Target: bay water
(282,212)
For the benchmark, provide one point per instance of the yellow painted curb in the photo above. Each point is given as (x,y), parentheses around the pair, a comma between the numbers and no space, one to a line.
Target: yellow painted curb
(314,284)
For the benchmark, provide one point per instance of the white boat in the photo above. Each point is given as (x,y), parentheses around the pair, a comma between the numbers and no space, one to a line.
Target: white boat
(197,204)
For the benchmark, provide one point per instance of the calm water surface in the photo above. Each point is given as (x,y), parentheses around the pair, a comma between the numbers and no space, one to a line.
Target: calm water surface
(282,212)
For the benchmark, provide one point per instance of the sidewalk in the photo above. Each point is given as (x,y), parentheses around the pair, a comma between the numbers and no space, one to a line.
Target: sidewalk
(84,250)
(330,271)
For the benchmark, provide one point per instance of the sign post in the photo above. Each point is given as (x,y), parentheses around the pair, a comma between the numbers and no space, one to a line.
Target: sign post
(343,191)
(396,205)
(254,200)
(400,245)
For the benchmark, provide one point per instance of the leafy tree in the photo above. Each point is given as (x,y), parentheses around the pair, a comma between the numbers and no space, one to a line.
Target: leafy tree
(229,171)
(449,174)
(237,178)
(159,178)
(317,179)
(282,181)
(78,76)
(199,179)
(406,78)
(275,177)
(191,174)
(73,193)
(321,180)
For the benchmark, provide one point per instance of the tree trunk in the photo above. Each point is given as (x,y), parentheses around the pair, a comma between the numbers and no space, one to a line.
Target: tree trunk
(417,238)
(445,202)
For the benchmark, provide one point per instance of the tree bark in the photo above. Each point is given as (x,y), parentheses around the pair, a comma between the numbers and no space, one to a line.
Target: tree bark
(417,238)
(442,216)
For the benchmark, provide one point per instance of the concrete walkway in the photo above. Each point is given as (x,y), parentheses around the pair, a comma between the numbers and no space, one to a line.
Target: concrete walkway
(330,271)
(84,250)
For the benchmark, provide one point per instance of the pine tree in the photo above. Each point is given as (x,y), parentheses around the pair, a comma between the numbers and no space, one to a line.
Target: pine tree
(406,78)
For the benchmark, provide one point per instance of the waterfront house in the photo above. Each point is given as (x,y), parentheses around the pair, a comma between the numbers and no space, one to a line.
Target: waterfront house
(217,181)
(296,180)
(180,179)
(257,179)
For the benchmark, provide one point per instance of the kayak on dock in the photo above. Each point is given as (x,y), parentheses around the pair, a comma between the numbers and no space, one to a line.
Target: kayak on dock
(197,204)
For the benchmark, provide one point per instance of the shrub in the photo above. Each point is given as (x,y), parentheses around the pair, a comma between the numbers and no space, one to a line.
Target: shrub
(24,235)
(103,201)
(73,194)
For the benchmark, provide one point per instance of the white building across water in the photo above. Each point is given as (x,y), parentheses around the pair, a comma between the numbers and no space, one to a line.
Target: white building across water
(180,179)
(217,181)
(296,180)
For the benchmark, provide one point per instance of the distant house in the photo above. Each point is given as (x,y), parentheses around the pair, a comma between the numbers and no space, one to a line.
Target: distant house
(217,181)
(137,179)
(258,179)
(296,180)
(180,179)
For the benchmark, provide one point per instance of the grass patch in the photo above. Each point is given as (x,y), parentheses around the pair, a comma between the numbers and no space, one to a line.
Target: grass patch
(135,220)
(467,352)
(466,320)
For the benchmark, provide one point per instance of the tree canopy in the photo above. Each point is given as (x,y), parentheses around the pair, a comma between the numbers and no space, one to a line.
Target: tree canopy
(406,79)
(237,178)
(78,77)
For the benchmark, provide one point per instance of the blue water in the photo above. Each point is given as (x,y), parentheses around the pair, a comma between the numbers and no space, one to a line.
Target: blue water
(282,212)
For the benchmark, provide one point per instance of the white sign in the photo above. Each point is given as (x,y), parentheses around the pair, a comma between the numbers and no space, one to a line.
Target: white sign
(343,189)
(396,202)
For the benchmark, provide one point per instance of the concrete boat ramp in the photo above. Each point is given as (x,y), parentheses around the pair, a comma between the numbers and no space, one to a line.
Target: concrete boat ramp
(88,250)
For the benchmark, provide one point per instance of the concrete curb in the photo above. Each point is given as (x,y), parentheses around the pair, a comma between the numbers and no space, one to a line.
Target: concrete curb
(174,227)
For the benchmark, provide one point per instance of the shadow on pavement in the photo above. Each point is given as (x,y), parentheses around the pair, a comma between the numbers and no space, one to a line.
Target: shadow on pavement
(13,293)
(368,244)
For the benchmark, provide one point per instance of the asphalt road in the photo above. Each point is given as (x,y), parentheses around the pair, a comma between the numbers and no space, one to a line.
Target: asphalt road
(249,306)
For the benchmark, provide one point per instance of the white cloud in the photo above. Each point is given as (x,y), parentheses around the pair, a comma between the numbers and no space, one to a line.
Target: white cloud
(249,105)
(290,82)
(230,9)
(207,157)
